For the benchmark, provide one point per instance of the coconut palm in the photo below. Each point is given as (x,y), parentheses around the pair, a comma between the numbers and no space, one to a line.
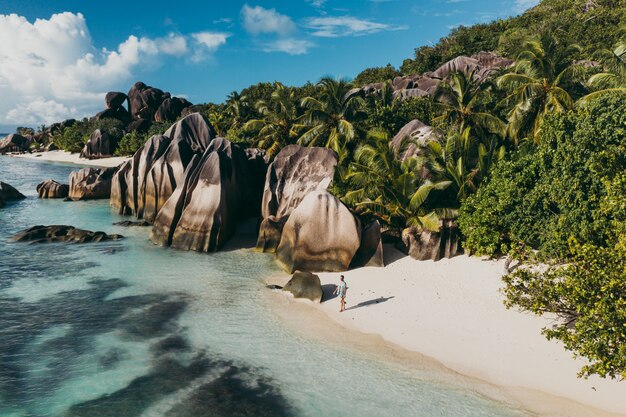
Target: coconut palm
(388,189)
(540,84)
(330,119)
(458,100)
(278,126)
(613,78)
(238,107)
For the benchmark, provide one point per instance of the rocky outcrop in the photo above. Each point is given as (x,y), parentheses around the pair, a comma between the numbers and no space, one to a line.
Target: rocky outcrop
(202,212)
(52,189)
(99,145)
(119,113)
(91,183)
(14,143)
(295,172)
(115,99)
(429,245)
(48,234)
(321,234)
(170,109)
(370,252)
(305,285)
(408,141)
(8,193)
(139,125)
(480,65)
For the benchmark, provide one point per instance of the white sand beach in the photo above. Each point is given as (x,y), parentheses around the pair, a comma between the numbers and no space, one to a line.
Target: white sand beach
(452,311)
(72,158)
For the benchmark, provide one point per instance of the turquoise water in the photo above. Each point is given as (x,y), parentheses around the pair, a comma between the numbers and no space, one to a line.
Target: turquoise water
(131,329)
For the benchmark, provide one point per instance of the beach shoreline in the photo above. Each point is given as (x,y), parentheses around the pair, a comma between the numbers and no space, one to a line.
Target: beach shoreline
(452,312)
(72,158)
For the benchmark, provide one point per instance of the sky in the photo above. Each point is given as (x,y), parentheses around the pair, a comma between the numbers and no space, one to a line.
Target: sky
(59,58)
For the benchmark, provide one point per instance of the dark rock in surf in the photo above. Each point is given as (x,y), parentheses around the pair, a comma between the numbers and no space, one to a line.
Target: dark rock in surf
(57,233)
(129,223)
(305,285)
(8,193)
(52,189)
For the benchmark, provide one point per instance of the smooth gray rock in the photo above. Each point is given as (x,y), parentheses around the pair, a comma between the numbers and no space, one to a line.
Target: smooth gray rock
(52,189)
(305,285)
(408,141)
(100,145)
(91,183)
(370,252)
(428,245)
(321,234)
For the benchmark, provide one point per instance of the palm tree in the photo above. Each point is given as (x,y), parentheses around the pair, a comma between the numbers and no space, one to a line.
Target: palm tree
(388,189)
(279,125)
(330,118)
(238,108)
(613,78)
(540,84)
(458,99)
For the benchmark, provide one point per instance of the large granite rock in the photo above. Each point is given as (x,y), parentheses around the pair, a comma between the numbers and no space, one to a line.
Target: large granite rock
(91,183)
(408,141)
(99,145)
(189,136)
(119,113)
(52,189)
(202,213)
(8,193)
(139,125)
(55,233)
(115,99)
(321,234)
(370,252)
(305,285)
(170,109)
(428,245)
(295,172)
(144,101)
(14,143)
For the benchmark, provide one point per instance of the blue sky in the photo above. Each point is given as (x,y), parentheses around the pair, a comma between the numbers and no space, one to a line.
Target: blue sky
(60,57)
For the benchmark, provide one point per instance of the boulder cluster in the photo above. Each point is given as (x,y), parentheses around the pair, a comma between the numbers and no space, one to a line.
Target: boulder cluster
(14,143)
(52,189)
(479,65)
(48,234)
(145,105)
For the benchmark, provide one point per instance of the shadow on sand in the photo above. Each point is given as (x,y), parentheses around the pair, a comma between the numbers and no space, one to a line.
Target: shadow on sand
(327,292)
(370,302)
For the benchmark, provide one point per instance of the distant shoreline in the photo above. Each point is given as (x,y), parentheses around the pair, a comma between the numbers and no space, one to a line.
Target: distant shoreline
(452,311)
(72,158)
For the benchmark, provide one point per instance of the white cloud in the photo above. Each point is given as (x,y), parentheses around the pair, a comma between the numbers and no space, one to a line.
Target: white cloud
(316,3)
(51,70)
(332,27)
(258,20)
(289,46)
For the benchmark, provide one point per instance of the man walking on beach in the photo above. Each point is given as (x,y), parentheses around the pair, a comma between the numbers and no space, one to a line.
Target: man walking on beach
(341,291)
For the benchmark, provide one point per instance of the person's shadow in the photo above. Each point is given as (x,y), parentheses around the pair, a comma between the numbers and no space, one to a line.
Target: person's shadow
(370,302)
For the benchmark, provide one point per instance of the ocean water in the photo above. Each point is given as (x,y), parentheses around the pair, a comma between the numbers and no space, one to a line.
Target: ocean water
(127,328)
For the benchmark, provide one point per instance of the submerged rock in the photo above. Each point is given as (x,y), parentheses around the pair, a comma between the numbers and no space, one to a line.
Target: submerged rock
(129,223)
(56,233)
(305,285)
(8,193)
(426,245)
(321,234)
(91,183)
(52,189)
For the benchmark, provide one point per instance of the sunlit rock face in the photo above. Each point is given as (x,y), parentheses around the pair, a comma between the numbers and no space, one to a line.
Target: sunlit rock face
(91,183)
(423,245)
(321,234)
(295,172)
(52,189)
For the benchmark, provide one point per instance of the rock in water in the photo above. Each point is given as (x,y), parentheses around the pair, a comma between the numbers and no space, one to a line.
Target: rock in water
(295,172)
(100,145)
(189,136)
(426,245)
(14,143)
(320,235)
(305,285)
(91,183)
(202,213)
(52,189)
(8,193)
(47,234)
(370,252)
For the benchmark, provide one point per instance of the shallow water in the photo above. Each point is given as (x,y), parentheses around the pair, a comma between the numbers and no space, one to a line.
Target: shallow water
(131,329)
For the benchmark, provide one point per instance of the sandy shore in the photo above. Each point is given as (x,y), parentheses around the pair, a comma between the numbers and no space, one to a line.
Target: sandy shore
(72,158)
(453,311)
